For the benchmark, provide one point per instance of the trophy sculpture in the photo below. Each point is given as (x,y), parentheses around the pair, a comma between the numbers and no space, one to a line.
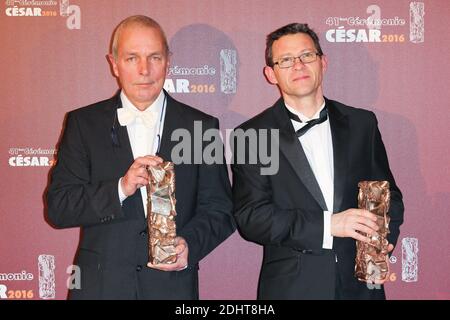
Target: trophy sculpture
(371,258)
(161,213)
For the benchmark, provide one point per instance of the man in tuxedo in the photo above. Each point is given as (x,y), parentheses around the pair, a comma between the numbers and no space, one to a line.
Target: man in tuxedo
(99,182)
(305,214)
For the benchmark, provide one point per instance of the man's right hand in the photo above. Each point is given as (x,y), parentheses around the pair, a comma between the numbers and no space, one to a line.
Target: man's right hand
(346,223)
(137,175)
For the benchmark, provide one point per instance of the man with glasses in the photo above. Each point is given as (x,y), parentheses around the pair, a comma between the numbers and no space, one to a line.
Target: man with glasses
(305,215)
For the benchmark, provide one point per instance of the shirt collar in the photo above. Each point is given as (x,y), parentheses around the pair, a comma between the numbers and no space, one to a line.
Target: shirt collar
(302,117)
(156,106)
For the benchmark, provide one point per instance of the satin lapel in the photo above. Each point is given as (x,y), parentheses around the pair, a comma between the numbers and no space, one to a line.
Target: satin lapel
(171,122)
(340,137)
(119,138)
(291,147)
(122,148)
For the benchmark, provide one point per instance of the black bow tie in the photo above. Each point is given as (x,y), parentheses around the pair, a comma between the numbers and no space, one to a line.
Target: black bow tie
(309,124)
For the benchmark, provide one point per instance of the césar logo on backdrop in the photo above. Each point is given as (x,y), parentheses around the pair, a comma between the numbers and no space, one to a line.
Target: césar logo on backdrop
(45,8)
(370,29)
(204,61)
(31,157)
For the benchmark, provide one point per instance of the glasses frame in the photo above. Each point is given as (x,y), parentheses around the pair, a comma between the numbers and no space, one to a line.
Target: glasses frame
(300,58)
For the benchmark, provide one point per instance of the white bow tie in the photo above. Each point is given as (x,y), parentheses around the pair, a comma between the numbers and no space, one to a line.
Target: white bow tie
(128,115)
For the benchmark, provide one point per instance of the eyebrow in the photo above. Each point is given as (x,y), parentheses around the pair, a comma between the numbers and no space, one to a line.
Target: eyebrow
(301,52)
(134,53)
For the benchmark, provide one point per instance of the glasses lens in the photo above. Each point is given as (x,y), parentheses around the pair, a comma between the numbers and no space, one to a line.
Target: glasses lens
(286,62)
(308,57)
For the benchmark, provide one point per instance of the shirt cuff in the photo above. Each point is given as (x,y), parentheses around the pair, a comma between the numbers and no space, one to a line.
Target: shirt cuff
(327,237)
(122,196)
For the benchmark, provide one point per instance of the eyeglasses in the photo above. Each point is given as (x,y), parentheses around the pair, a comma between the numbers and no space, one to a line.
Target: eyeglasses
(304,58)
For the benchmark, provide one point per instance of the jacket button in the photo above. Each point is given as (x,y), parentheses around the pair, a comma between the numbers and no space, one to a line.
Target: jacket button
(143,233)
(138,268)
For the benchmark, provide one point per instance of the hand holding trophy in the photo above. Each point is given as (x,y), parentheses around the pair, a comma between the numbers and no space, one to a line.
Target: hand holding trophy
(372,261)
(161,214)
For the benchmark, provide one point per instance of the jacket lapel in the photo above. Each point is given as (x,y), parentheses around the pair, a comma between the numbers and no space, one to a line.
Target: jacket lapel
(340,137)
(292,149)
(122,147)
(119,137)
(171,122)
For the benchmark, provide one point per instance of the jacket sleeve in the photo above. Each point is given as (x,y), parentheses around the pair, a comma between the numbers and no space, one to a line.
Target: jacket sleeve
(381,171)
(213,221)
(72,198)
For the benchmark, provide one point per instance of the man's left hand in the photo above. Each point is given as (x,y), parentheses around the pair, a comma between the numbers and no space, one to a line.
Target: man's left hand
(182,250)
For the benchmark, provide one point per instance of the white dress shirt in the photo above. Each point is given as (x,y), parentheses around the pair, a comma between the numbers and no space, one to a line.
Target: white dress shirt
(318,147)
(144,140)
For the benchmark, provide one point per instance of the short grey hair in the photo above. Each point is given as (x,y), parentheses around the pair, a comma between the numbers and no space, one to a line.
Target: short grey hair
(139,20)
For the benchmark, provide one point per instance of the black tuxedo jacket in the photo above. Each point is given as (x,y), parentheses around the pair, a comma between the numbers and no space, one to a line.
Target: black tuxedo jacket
(93,154)
(284,212)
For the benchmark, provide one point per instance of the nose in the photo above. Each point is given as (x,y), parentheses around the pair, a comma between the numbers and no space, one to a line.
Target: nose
(144,67)
(297,62)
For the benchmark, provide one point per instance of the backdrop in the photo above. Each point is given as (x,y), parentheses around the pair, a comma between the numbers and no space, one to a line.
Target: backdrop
(385,56)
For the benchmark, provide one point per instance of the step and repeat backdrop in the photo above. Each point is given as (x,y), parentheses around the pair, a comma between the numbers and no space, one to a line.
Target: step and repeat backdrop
(390,57)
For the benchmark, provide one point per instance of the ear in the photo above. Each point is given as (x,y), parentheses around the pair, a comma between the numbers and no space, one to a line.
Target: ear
(113,64)
(168,64)
(270,75)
